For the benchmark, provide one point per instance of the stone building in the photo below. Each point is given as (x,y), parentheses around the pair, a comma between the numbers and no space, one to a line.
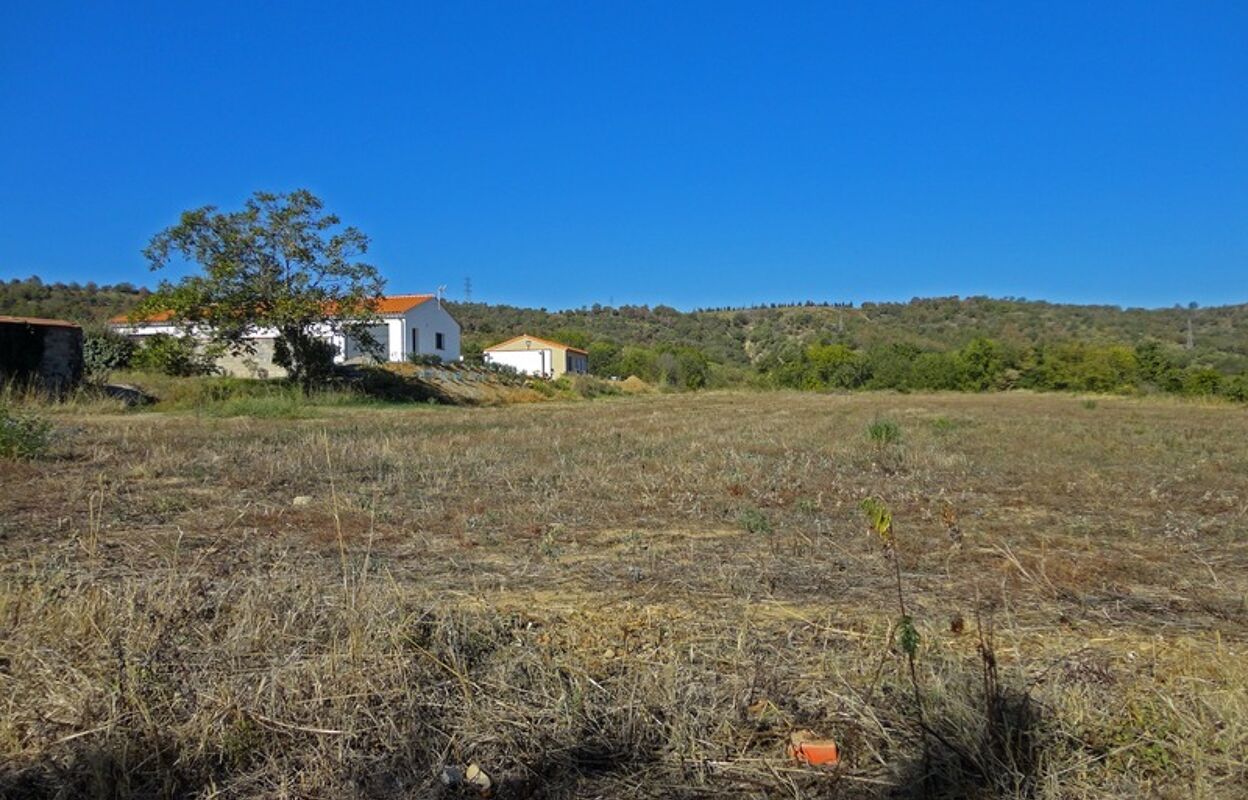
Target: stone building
(46,351)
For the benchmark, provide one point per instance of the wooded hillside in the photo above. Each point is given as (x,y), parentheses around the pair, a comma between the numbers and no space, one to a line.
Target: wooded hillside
(970,343)
(760,335)
(84,303)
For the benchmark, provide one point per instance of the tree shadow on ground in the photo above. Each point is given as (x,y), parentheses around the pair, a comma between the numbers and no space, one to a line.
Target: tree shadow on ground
(391,387)
(119,766)
(995,755)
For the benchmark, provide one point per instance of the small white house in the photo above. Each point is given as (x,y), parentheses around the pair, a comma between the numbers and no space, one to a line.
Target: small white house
(410,324)
(539,357)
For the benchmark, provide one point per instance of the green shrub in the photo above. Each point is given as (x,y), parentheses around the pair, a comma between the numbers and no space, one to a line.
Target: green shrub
(1236,388)
(588,386)
(1201,381)
(105,351)
(542,387)
(23,435)
(884,431)
(981,362)
(754,521)
(172,355)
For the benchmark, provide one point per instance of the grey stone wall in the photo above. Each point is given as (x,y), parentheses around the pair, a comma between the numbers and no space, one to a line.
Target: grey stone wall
(61,366)
(257,365)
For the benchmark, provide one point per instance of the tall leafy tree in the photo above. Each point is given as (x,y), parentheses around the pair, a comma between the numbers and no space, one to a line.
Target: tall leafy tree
(281,263)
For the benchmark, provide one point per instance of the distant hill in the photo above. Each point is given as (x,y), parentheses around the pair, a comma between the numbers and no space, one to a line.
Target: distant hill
(86,303)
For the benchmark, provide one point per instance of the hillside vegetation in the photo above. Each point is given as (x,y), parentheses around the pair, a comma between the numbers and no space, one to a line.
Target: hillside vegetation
(950,343)
(943,343)
(85,303)
(754,336)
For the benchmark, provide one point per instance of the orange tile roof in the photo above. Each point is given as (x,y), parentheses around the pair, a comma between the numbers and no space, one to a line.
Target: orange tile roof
(159,316)
(57,323)
(392,304)
(401,303)
(558,345)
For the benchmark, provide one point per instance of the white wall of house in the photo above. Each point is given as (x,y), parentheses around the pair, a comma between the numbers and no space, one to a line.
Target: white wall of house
(143,329)
(394,339)
(539,363)
(428,320)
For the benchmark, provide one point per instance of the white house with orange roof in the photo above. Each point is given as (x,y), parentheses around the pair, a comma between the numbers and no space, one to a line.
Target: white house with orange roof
(535,356)
(408,325)
(415,325)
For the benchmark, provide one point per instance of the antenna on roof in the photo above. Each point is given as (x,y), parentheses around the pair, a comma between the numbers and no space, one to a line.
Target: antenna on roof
(441,291)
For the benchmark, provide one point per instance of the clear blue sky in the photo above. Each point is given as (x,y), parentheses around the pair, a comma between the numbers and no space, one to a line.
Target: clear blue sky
(670,152)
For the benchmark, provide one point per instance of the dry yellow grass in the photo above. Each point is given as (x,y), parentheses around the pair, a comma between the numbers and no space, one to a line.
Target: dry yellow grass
(629,597)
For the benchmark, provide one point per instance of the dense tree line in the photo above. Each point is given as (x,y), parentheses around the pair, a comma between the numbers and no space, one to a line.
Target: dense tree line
(987,364)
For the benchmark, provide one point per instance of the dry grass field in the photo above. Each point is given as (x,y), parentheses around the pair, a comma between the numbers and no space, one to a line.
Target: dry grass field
(632,597)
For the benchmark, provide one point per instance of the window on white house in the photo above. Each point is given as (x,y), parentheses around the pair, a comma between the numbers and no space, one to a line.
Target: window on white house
(415,341)
(439,341)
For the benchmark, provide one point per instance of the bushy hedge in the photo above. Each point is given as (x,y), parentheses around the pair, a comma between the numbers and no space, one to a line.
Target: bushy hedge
(172,355)
(104,351)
